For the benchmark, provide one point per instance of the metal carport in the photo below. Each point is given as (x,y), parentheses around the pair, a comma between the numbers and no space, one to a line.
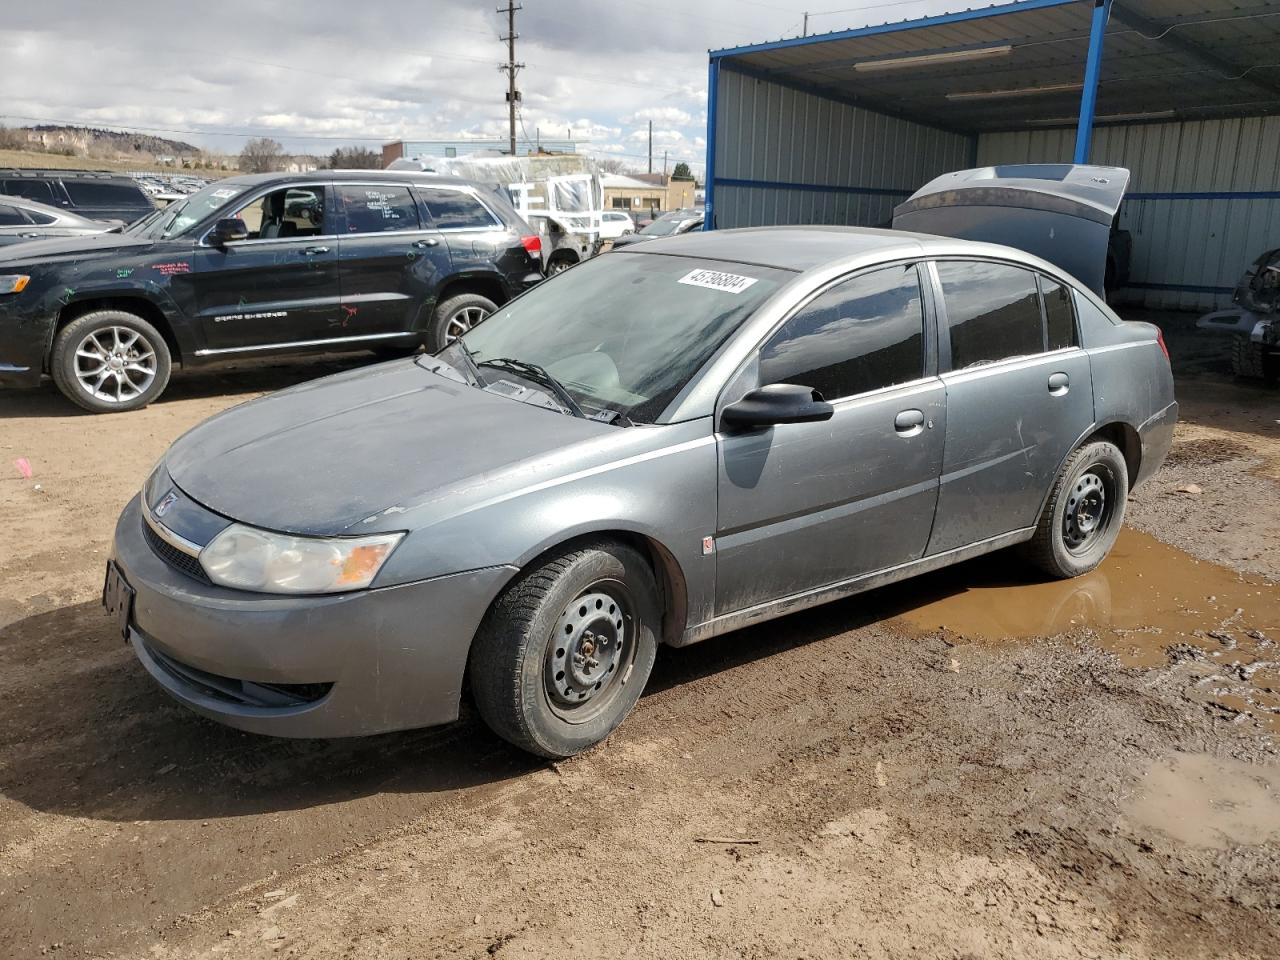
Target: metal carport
(840,127)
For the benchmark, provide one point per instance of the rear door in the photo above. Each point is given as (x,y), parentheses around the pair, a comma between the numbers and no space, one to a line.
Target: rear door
(391,263)
(474,233)
(811,504)
(1019,395)
(279,289)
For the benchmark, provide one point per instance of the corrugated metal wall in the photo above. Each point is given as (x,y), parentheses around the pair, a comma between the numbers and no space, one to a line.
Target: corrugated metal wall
(784,155)
(1194,209)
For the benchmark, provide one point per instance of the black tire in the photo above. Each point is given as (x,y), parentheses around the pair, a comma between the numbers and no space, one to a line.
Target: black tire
(1084,513)
(559,265)
(107,333)
(1248,359)
(454,314)
(529,687)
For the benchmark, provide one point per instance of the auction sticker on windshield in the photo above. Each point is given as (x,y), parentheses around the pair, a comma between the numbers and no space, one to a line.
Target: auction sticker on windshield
(715,280)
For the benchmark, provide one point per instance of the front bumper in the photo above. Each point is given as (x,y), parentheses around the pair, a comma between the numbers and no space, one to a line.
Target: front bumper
(319,666)
(1157,439)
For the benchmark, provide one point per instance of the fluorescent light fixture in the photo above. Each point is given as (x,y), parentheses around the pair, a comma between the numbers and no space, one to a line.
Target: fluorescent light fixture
(1017,92)
(925,59)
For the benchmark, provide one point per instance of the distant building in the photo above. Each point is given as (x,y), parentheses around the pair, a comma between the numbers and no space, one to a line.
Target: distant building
(460,148)
(646,192)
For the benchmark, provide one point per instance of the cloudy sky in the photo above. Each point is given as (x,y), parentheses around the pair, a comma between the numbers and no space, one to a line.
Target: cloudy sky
(316,74)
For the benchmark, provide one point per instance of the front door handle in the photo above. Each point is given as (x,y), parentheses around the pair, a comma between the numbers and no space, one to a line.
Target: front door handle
(1059,384)
(429,242)
(908,423)
(312,251)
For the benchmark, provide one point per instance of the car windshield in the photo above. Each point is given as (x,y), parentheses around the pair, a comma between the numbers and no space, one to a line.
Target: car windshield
(181,215)
(623,333)
(570,196)
(661,228)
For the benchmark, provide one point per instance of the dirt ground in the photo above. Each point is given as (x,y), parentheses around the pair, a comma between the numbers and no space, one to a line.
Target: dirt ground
(972,764)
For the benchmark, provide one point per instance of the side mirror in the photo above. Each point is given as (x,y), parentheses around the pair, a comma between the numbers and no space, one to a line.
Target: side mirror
(776,403)
(227,231)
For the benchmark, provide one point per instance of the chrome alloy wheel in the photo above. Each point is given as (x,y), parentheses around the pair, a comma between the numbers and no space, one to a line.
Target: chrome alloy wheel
(591,652)
(115,364)
(462,321)
(1088,512)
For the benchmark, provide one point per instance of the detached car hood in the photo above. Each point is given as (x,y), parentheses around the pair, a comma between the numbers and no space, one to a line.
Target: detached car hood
(63,248)
(362,448)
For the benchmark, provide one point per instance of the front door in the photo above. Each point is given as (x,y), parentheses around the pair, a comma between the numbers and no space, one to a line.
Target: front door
(279,288)
(1019,395)
(806,505)
(390,262)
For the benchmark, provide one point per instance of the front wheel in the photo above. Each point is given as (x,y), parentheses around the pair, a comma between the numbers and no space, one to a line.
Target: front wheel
(1082,519)
(564,653)
(109,361)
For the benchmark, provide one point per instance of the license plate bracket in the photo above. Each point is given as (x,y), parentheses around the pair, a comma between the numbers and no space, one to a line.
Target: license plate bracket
(117,598)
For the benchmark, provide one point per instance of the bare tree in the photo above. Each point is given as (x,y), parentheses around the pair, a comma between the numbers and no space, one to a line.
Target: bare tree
(614,165)
(262,155)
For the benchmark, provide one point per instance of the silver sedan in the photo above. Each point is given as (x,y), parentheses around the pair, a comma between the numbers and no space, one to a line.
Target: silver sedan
(22,219)
(657,447)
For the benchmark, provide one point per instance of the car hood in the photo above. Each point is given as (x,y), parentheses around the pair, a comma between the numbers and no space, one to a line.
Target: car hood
(364,448)
(66,247)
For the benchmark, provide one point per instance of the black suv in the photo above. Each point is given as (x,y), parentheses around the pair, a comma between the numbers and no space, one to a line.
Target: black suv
(257,265)
(95,196)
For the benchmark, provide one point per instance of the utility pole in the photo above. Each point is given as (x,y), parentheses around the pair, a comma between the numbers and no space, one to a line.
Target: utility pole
(651,146)
(806,24)
(664,163)
(511,68)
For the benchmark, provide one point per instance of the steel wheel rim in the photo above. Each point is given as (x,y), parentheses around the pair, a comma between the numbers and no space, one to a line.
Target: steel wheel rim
(1089,510)
(592,650)
(462,321)
(560,266)
(115,364)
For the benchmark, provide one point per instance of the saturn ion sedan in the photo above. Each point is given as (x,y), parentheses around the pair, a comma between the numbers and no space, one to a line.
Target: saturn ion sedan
(657,447)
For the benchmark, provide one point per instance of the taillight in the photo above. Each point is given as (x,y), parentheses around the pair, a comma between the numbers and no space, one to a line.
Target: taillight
(532,244)
(1160,340)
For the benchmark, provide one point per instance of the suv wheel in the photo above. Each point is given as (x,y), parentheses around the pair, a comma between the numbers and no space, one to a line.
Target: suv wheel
(456,316)
(1248,359)
(109,361)
(1082,519)
(564,653)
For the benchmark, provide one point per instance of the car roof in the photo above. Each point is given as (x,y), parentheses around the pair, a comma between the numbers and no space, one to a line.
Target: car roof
(342,176)
(16,173)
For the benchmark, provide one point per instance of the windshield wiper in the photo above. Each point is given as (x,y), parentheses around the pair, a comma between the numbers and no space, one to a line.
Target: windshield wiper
(531,371)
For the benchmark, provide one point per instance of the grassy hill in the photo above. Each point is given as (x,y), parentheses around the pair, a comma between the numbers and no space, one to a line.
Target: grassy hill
(36,160)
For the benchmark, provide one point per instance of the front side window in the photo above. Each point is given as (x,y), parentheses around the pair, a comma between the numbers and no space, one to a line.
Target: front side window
(377,209)
(993,312)
(625,332)
(1059,315)
(863,334)
(456,210)
(286,213)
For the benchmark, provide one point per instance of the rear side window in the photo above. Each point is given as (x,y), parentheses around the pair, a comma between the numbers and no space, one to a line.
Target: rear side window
(10,216)
(456,210)
(378,209)
(88,193)
(993,312)
(35,216)
(863,334)
(41,190)
(1059,314)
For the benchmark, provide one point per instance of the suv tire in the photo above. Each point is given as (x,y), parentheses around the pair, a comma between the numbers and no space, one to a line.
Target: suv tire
(1084,513)
(110,361)
(564,653)
(456,316)
(1248,359)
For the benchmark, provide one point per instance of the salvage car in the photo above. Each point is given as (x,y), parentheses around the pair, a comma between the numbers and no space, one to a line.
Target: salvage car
(260,265)
(658,446)
(667,225)
(1253,320)
(23,220)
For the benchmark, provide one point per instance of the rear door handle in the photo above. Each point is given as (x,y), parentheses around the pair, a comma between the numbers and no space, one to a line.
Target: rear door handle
(429,242)
(908,423)
(312,251)
(1059,384)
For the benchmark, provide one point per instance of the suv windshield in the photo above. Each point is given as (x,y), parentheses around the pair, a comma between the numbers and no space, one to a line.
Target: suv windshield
(181,215)
(624,333)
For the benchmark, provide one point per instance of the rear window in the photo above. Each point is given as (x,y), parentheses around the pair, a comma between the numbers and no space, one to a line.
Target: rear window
(40,190)
(993,312)
(455,210)
(85,193)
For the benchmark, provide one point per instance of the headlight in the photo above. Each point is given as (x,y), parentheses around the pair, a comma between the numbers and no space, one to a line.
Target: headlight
(13,282)
(249,559)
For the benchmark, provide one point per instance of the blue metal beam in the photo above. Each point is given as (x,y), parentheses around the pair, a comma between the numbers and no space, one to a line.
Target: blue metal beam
(1092,71)
(709,178)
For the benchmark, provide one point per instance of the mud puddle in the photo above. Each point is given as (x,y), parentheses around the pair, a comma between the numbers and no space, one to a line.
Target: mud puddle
(1149,603)
(1209,801)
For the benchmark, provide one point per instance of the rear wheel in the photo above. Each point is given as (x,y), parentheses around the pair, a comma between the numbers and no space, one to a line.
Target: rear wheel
(109,361)
(1248,359)
(456,316)
(564,654)
(1082,519)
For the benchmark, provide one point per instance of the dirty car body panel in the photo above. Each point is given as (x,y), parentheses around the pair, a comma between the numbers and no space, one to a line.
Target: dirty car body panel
(481,477)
